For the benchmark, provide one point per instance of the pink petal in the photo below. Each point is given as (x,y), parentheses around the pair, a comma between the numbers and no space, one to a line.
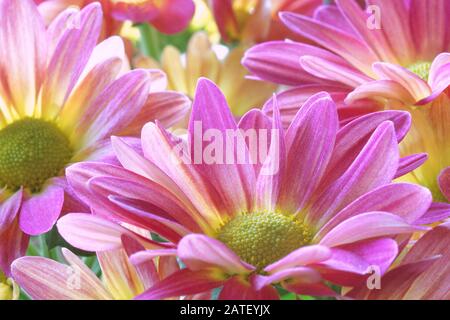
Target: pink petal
(410,163)
(435,282)
(365,226)
(408,201)
(58,25)
(377,252)
(126,199)
(324,69)
(70,57)
(352,138)
(416,86)
(331,15)
(45,279)
(141,258)
(429,26)
(9,209)
(396,27)
(375,38)
(269,178)
(147,272)
(40,212)
(14,244)
(234,181)
(385,89)
(200,252)
(86,93)
(300,257)
(439,62)
(119,276)
(375,165)
(309,143)
(115,108)
(301,274)
(291,100)
(80,173)
(92,233)
(346,45)
(255,119)
(199,194)
(395,283)
(23,54)
(182,283)
(437,212)
(278,62)
(444,182)
(237,288)
(167,107)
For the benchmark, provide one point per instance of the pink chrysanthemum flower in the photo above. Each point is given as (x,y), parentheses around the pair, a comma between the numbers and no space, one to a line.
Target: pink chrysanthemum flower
(61,97)
(168,16)
(321,206)
(394,54)
(423,273)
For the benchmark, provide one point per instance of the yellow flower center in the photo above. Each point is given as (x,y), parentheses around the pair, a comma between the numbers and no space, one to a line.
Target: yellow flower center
(421,68)
(31,151)
(263,238)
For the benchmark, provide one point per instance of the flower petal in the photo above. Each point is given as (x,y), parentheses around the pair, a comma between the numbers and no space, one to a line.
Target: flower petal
(114,109)
(309,144)
(23,55)
(444,182)
(300,257)
(181,283)
(375,165)
(168,107)
(40,212)
(92,233)
(45,279)
(237,288)
(355,51)
(406,200)
(69,58)
(200,252)
(278,62)
(234,181)
(410,163)
(365,226)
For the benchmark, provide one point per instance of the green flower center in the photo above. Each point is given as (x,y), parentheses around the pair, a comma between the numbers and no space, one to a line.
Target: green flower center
(31,151)
(421,68)
(263,238)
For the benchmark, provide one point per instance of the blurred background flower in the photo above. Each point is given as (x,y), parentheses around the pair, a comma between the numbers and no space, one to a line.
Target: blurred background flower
(397,57)
(203,59)
(8,288)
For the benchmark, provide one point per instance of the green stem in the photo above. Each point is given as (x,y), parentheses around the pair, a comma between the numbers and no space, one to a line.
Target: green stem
(150,41)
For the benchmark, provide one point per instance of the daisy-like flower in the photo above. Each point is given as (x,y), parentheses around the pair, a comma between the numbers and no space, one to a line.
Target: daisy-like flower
(320,206)
(202,61)
(168,16)
(46,279)
(423,274)
(251,21)
(61,97)
(395,54)
(8,288)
